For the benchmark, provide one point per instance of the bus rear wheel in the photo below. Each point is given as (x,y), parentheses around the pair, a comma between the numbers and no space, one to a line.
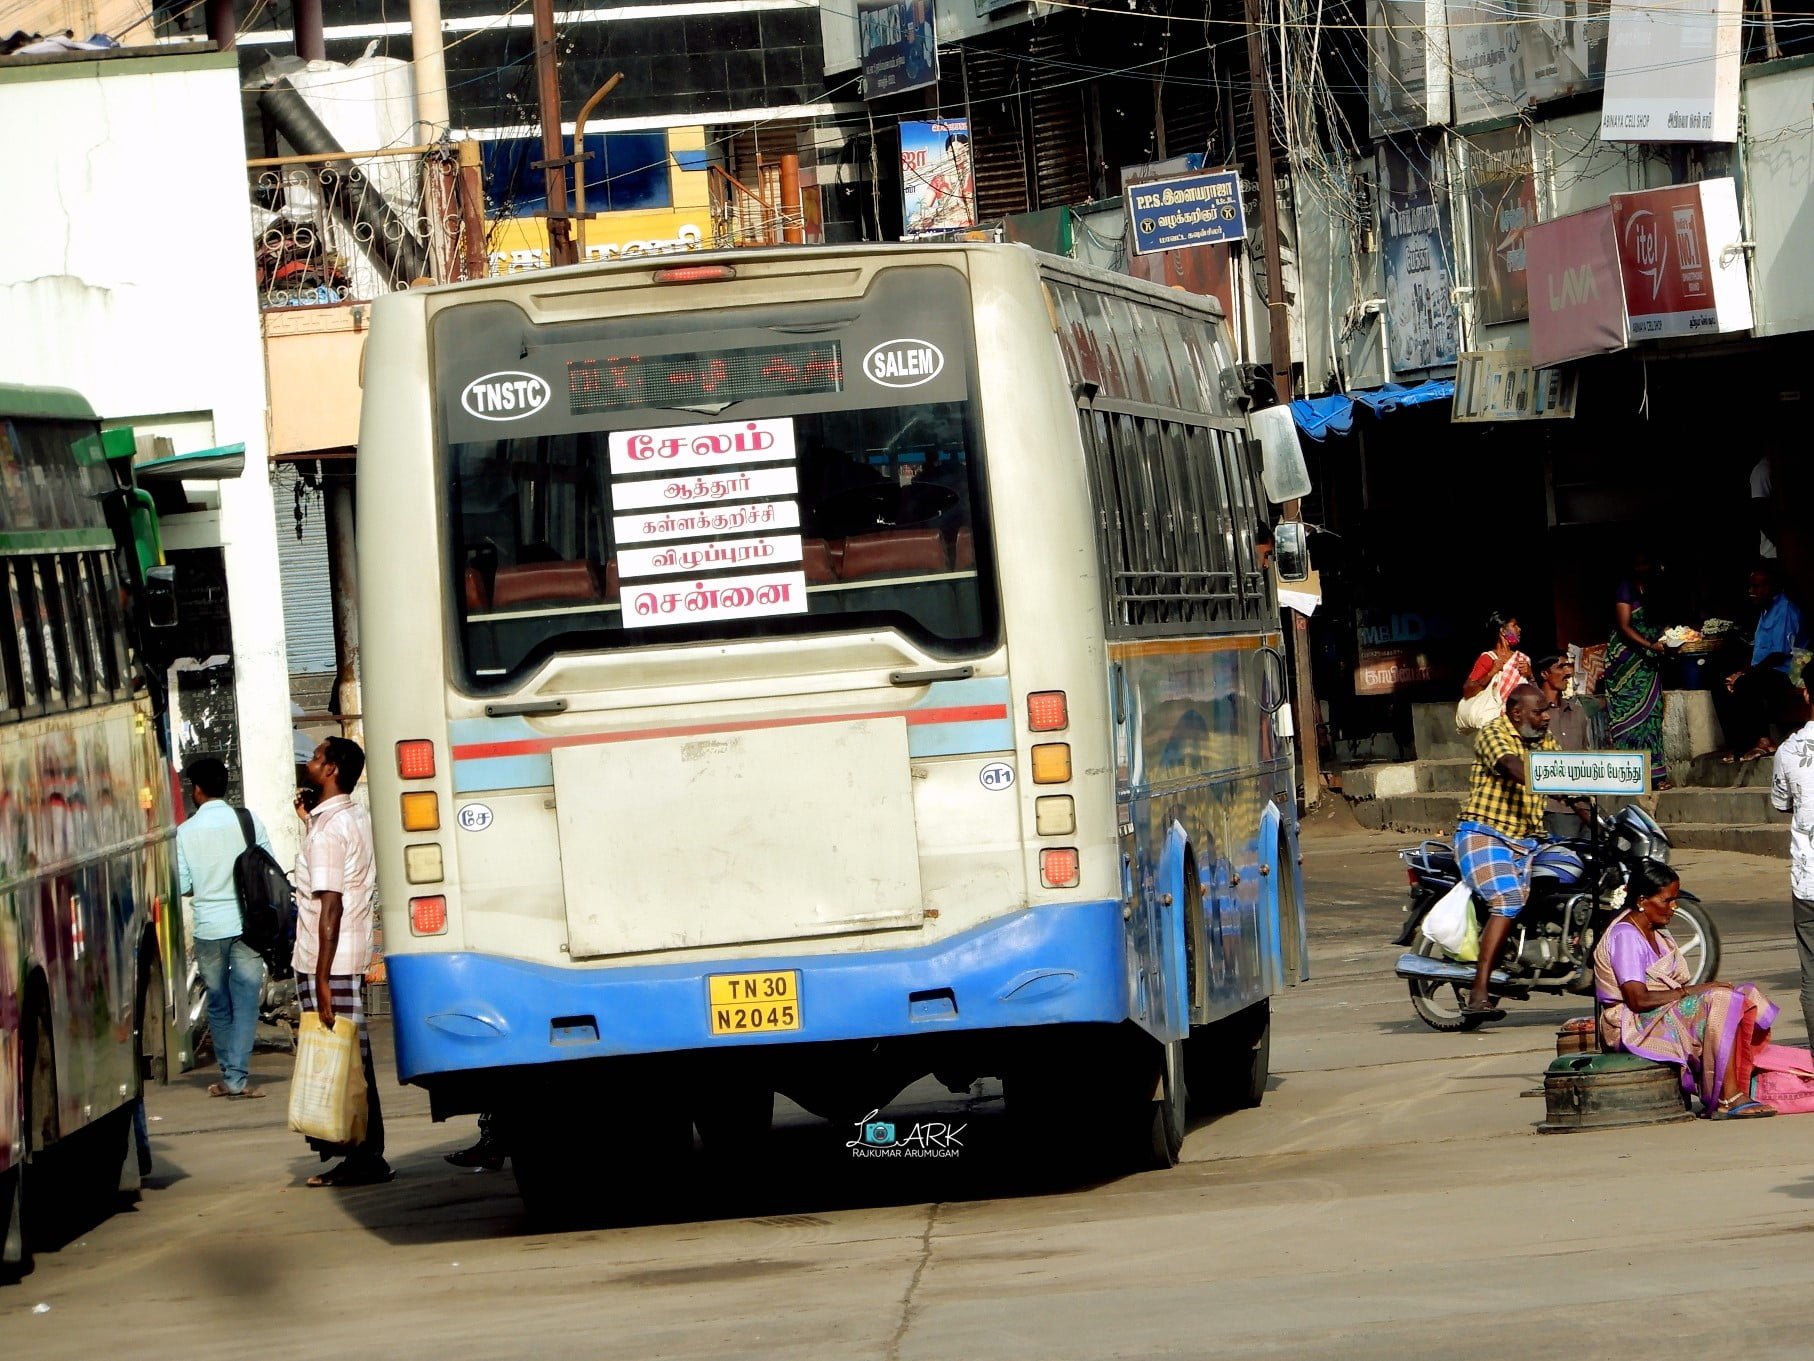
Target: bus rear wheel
(1229,1062)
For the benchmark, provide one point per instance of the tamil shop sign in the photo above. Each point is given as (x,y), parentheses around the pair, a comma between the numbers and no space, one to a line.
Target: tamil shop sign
(899,43)
(1672,71)
(1576,303)
(1192,210)
(1681,260)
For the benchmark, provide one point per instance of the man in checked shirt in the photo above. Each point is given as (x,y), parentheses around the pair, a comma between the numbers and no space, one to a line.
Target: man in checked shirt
(335,879)
(1501,827)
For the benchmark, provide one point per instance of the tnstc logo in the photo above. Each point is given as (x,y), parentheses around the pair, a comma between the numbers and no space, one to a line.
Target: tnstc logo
(507,396)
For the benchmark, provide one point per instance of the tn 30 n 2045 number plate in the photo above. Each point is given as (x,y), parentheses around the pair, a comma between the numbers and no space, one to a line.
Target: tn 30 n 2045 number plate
(754,1003)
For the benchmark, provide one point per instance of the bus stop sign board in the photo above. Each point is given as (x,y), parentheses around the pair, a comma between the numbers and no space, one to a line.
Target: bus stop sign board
(1190,210)
(1588,774)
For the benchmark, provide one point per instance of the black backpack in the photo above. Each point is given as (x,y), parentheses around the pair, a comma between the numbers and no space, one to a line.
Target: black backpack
(267,904)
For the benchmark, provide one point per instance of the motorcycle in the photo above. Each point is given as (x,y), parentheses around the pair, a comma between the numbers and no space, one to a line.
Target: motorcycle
(1551,945)
(279,1013)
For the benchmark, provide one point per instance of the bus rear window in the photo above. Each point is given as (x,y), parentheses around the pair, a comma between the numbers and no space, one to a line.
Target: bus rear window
(633,482)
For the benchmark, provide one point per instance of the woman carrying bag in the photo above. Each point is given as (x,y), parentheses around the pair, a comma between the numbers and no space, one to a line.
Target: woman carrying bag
(1498,671)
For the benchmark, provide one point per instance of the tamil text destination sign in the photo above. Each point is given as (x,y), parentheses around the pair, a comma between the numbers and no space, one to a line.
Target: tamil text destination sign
(1422,325)
(1192,210)
(1681,260)
(1588,774)
(1576,301)
(899,43)
(1672,71)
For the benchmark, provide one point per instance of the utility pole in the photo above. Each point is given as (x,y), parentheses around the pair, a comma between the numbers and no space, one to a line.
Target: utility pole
(430,64)
(1305,712)
(554,146)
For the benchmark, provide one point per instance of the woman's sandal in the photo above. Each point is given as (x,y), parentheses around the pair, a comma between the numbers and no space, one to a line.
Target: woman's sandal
(1741,1109)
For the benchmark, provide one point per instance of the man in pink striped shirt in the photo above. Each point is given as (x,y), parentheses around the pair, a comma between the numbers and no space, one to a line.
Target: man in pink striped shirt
(335,883)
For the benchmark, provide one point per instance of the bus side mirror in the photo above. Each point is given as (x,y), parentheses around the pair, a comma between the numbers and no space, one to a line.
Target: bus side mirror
(1291,550)
(160,597)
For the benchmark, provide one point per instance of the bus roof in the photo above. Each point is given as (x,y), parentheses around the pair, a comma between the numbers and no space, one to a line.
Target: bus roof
(54,403)
(755,255)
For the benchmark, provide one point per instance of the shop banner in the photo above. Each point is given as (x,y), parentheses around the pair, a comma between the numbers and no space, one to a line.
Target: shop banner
(1672,71)
(1421,321)
(938,184)
(1408,64)
(1679,256)
(1502,385)
(899,43)
(1577,302)
(1192,210)
(1504,63)
(1502,207)
(1482,46)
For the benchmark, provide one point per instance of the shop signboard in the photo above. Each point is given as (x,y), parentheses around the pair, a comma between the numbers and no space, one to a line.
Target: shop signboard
(1576,301)
(1780,187)
(1481,50)
(1501,385)
(1408,64)
(1190,210)
(1681,262)
(898,40)
(1672,71)
(938,184)
(1422,326)
(1502,207)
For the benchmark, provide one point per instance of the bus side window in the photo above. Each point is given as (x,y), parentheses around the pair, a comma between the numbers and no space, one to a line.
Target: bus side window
(115,620)
(103,680)
(75,648)
(46,632)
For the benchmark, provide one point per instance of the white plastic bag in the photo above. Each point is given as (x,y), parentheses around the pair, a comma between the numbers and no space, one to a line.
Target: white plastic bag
(327,1094)
(1471,715)
(1448,923)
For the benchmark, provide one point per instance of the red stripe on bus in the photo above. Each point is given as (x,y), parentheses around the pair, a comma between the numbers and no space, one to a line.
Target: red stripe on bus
(538,746)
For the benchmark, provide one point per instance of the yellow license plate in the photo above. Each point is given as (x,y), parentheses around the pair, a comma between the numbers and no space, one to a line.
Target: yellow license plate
(754,1003)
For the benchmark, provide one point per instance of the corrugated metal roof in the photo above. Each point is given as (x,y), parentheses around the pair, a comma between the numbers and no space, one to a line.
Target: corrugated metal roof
(308,602)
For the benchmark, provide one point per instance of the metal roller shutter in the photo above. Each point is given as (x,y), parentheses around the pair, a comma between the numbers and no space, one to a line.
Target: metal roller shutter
(308,603)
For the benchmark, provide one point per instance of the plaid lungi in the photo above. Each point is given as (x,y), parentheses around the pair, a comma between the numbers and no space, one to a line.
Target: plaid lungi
(1497,867)
(349,1001)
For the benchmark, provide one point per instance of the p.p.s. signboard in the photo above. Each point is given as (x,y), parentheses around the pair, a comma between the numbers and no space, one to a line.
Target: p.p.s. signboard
(1190,210)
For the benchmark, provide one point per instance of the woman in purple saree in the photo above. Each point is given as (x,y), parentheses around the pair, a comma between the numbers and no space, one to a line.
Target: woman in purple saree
(1711,1031)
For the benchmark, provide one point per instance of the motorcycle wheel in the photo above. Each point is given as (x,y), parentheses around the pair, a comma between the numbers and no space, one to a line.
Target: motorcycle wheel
(1438,1005)
(1698,939)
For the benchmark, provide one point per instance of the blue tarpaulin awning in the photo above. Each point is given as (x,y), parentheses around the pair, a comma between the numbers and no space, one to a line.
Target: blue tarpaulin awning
(1320,417)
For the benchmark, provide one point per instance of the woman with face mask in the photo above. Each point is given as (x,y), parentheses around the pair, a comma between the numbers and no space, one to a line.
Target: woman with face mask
(1502,666)
(1634,671)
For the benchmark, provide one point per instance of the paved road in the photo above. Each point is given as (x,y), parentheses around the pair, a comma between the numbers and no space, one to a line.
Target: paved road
(1389,1200)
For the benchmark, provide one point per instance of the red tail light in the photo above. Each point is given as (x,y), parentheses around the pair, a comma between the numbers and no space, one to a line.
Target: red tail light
(427,916)
(1047,711)
(416,759)
(694,274)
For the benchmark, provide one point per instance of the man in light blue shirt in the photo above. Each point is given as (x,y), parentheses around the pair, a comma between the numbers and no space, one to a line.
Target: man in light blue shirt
(1752,698)
(206,847)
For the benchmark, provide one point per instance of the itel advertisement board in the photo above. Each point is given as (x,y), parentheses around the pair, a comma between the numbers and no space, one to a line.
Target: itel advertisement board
(1679,257)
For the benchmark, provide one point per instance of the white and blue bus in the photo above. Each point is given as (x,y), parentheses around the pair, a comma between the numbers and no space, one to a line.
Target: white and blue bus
(808,670)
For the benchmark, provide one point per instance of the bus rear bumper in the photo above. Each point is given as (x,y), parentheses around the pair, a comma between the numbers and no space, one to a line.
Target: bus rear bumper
(462,1012)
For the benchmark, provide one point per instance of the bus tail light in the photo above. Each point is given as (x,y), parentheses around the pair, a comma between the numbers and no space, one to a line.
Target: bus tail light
(422,864)
(694,274)
(428,916)
(1058,867)
(1047,711)
(421,812)
(416,759)
(1055,814)
(1051,763)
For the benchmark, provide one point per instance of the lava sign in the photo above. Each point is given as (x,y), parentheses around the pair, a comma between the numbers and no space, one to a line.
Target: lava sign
(1192,210)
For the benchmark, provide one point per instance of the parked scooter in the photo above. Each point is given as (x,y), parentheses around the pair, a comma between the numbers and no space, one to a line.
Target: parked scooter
(279,1014)
(1551,946)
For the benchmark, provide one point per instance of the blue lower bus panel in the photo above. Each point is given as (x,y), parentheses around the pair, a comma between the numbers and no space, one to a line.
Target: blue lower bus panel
(462,1011)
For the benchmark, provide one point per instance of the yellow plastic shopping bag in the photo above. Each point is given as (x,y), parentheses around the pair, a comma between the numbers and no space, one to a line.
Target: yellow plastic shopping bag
(327,1095)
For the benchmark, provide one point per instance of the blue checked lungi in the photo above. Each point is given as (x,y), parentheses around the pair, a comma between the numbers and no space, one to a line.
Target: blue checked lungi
(1497,867)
